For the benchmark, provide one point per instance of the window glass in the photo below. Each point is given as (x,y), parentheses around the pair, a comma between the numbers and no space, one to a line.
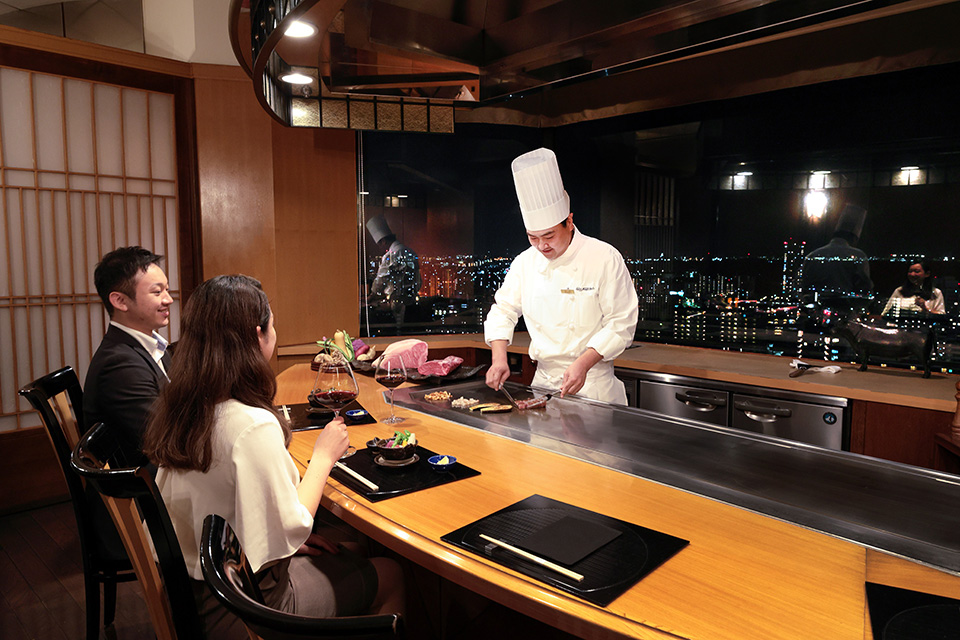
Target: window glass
(771,224)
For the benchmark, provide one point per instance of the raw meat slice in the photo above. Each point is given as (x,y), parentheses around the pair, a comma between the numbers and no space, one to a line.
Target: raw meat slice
(440,367)
(532,403)
(412,353)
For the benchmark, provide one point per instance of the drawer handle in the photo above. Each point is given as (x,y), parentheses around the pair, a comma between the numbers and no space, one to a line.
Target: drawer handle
(761,413)
(704,401)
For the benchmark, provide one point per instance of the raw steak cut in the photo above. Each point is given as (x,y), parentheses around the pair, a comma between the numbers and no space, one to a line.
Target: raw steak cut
(440,367)
(412,353)
(532,403)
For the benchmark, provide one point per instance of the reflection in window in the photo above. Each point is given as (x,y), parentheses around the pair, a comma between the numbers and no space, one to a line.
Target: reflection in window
(719,252)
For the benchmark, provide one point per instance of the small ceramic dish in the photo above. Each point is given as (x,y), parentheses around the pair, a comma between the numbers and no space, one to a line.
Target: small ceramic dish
(356,414)
(397,453)
(436,465)
(374,445)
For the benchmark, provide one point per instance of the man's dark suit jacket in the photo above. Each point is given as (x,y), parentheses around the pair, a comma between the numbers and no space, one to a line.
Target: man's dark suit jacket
(122,384)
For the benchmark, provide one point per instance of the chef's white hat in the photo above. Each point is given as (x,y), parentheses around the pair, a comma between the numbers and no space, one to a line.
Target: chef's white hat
(543,202)
(378,228)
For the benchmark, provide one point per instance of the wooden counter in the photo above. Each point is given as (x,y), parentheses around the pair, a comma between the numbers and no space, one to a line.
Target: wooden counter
(742,576)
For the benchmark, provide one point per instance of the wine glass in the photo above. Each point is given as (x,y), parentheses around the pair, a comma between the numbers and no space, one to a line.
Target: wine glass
(391,373)
(335,388)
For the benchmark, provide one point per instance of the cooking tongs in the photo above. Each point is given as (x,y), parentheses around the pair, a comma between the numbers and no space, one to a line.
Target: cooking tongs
(509,397)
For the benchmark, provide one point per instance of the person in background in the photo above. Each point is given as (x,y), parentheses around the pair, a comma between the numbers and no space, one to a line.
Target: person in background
(398,279)
(917,294)
(837,275)
(131,364)
(221,447)
(574,291)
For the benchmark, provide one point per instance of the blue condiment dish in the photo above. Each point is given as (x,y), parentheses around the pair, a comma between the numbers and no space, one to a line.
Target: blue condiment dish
(434,462)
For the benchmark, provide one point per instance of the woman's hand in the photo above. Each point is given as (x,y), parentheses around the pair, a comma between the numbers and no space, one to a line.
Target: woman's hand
(332,441)
(316,545)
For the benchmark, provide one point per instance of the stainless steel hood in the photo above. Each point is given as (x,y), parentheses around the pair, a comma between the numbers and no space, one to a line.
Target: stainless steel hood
(554,61)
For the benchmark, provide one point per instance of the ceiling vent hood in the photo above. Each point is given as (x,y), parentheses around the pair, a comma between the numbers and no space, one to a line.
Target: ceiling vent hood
(424,64)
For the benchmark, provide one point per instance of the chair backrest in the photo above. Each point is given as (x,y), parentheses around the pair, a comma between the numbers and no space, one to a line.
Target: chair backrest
(228,575)
(133,500)
(53,396)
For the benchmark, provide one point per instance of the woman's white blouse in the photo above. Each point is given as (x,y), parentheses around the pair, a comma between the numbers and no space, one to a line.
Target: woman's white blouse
(252,484)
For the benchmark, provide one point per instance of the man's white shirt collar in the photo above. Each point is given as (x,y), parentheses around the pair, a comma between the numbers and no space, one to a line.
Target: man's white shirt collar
(154,344)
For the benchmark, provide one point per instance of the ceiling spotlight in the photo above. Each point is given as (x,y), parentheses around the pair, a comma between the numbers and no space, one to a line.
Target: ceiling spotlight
(820,172)
(296,78)
(299,29)
(815,204)
(909,168)
(745,173)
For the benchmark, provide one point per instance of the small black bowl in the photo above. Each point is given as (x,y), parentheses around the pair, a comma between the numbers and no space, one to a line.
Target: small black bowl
(374,445)
(398,453)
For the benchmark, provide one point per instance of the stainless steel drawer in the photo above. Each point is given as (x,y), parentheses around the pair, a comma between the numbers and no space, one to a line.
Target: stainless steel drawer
(816,424)
(693,403)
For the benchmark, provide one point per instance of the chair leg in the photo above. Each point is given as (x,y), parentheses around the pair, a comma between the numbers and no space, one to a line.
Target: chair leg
(109,599)
(92,597)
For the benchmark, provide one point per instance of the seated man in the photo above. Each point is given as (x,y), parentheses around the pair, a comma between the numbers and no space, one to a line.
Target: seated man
(130,365)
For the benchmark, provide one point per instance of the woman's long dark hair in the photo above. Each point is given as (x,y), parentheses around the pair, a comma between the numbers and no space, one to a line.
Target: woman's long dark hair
(925,288)
(217,358)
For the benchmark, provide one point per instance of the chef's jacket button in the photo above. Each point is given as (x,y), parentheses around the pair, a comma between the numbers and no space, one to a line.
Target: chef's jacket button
(570,326)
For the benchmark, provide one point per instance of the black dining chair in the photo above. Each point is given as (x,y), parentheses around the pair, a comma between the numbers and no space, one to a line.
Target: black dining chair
(134,500)
(229,577)
(58,399)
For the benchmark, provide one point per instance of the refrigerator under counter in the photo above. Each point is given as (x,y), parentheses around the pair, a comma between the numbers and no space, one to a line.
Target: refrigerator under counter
(817,424)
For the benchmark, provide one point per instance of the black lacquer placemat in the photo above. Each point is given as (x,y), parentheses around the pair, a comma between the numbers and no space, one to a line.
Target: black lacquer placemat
(304,417)
(901,614)
(608,571)
(399,480)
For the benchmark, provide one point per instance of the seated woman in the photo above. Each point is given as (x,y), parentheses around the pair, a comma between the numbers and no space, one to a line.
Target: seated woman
(917,294)
(221,448)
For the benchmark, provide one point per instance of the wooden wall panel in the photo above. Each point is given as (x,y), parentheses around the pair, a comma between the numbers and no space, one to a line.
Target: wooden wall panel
(315,204)
(235,168)
(902,434)
(31,476)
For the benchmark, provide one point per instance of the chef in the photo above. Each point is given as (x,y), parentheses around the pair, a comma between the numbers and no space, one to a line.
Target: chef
(574,292)
(398,279)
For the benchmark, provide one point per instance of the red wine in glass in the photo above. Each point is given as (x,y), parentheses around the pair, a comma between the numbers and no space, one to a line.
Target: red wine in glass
(392,381)
(335,388)
(391,373)
(335,399)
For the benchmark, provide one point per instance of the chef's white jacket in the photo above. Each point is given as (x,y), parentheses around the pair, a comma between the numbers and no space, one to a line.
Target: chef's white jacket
(584,298)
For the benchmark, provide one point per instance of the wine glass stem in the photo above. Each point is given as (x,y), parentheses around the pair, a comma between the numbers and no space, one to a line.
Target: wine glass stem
(391,404)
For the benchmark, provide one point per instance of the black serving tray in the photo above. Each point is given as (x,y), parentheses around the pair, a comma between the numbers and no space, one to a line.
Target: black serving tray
(608,571)
(457,375)
(902,614)
(304,417)
(397,481)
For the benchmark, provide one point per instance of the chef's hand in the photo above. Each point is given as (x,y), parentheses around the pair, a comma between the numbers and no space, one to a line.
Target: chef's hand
(332,442)
(573,378)
(317,545)
(497,374)
(576,374)
(499,369)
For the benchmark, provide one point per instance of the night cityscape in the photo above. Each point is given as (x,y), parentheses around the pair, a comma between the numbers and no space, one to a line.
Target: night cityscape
(749,303)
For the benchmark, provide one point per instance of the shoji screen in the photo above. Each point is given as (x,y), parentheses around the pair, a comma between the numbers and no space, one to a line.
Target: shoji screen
(84,168)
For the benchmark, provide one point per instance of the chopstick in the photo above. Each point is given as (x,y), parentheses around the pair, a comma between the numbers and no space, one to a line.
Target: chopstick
(351,472)
(357,476)
(529,556)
